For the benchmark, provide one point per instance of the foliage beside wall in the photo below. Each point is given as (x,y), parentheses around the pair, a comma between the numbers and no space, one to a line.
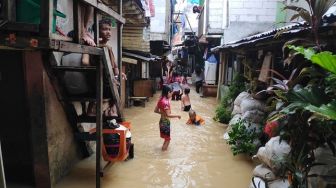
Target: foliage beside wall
(223,111)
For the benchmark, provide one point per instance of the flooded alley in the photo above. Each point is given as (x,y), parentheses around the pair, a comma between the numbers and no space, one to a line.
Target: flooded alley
(197,156)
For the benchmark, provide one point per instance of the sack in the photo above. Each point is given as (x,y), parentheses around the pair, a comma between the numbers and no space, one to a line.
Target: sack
(272,152)
(75,82)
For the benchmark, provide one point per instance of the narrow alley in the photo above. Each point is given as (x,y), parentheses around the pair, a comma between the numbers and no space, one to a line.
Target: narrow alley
(197,156)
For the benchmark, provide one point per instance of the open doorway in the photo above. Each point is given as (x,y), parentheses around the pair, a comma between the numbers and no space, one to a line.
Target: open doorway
(15,133)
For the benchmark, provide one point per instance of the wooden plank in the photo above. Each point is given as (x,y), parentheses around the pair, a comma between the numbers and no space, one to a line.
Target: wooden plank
(31,43)
(69,109)
(96,28)
(132,35)
(138,49)
(64,46)
(47,7)
(11,10)
(75,69)
(99,120)
(2,172)
(77,21)
(17,26)
(109,73)
(105,9)
(34,75)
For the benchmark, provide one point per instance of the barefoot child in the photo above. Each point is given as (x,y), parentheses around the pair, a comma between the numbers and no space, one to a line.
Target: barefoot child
(195,119)
(185,101)
(163,108)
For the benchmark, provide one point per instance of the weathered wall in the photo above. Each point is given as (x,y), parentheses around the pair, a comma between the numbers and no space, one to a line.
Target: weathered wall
(239,30)
(257,16)
(62,147)
(160,23)
(217,16)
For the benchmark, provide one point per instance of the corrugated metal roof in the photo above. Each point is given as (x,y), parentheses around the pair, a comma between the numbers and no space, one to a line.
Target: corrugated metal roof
(140,55)
(288,31)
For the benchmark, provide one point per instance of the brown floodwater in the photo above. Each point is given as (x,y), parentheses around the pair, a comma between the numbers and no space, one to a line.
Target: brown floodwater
(197,156)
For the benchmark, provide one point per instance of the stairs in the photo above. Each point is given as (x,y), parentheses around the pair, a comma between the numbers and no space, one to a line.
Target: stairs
(102,71)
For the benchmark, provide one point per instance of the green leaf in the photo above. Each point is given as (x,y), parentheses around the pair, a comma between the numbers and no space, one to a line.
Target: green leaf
(327,111)
(306,52)
(301,98)
(326,60)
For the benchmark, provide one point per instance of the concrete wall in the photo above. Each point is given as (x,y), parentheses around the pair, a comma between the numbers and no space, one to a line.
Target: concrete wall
(248,17)
(252,10)
(217,16)
(239,30)
(160,23)
(63,150)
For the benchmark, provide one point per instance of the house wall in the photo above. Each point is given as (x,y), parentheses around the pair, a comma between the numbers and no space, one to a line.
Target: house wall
(257,16)
(160,23)
(217,16)
(63,150)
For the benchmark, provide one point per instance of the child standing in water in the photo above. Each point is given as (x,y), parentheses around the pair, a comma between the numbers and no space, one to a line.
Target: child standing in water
(163,108)
(185,101)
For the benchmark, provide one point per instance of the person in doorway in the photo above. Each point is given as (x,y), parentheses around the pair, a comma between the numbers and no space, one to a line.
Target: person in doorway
(163,108)
(105,27)
(199,79)
(195,119)
(185,101)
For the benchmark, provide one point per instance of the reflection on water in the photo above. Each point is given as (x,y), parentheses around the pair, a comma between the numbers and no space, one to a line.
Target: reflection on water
(197,156)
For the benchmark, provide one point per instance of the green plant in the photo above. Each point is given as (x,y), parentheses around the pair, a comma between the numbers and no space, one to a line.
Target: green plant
(309,111)
(313,15)
(324,59)
(223,114)
(242,139)
(223,110)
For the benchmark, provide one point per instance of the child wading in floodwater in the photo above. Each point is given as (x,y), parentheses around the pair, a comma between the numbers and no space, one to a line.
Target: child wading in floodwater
(163,108)
(185,101)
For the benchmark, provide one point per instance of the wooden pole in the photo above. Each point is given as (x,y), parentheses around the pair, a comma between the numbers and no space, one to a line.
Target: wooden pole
(77,21)
(2,172)
(47,7)
(99,120)
(34,80)
(120,27)
(221,73)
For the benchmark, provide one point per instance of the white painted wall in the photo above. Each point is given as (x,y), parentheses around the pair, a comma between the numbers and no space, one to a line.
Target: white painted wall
(248,17)
(158,22)
(252,10)
(217,16)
